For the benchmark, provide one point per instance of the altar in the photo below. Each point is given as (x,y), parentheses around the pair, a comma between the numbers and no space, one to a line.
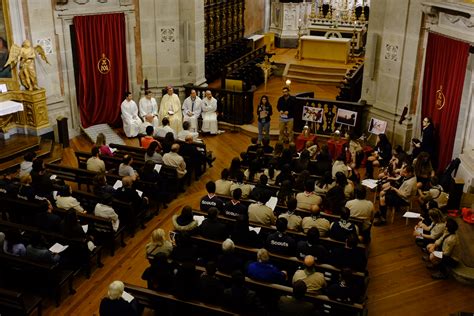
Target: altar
(320,47)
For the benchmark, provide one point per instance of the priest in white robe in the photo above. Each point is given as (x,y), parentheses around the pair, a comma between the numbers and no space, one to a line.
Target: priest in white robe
(192,110)
(170,107)
(131,121)
(148,106)
(209,115)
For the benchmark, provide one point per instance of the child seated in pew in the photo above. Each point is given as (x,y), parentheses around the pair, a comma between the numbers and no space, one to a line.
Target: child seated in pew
(104,209)
(294,221)
(65,201)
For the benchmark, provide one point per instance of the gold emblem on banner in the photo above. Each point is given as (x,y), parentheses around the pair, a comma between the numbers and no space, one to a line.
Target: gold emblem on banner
(103,65)
(440,98)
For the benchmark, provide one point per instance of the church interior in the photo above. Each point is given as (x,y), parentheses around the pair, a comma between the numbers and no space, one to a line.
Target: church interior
(367,102)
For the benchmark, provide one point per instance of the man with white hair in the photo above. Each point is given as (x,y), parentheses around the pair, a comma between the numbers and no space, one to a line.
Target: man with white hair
(209,115)
(229,261)
(173,159)
(115,304)
(170,107)
(192,110)
(149,107)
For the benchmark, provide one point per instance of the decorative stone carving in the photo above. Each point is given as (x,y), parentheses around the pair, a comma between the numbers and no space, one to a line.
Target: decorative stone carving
(391,52)
(47,44)
(167,35)
(431,14)
(81,1)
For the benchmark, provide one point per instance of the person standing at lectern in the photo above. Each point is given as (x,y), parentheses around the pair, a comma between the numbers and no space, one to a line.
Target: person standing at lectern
(192,110)
(209,115)
(131,121)
(286,106)
(170,107)
(148,106)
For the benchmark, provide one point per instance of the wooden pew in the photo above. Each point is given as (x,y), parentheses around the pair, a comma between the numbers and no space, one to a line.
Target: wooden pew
(17,303)
(29,275)
(154,300)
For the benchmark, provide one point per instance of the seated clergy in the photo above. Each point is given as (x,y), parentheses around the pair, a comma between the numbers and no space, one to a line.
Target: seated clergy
(149,107)
(131,121)
(170,107)
(192,110)
(209,115)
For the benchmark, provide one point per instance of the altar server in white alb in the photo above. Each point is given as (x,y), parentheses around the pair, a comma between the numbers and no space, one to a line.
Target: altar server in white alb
(148,106)
(170,107)
(209,115)
(131,121)
(192,110)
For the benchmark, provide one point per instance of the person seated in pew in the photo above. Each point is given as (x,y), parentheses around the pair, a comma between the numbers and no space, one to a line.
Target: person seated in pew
(45,218)
(349,256)
(26,191)
(210,200)
(307,199)
(253,171)
(27,164)
(101,143)
(341,229)
(104,209)
(94,163)
(148,138)
(301,179)
(13,243)
(193,158)
(241,233)
(261,188)
(42,183)
(346,185)
(314,280)
(229,261)
(431,232)
(294,221)
(153,153)
(285,193)
(343,290)
(158,191)
(302,163)
(363,209)
(315,220)
(267,149)
(210,286)
(271,172)
(339,165)
(186,132)
(285,174)
(159,244)
(323,185)
(186,281)
(165,129)
(263,270)
(261,213)
(295,304)
(312,246)
(167,142)
(223,184)
(65,201)
(211,228)
(114,304)
(240,299)
(70,227)
(253,145)
(126,169)
(160,274)
(184,249)
(279,242)
(185,222)
(233,208)
(239,183)
(100,185)
(128,194)
(38,250)
(235,167)
(174,159)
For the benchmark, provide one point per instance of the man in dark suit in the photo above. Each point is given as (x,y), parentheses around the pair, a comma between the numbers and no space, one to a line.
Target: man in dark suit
(211,227)
(295,304)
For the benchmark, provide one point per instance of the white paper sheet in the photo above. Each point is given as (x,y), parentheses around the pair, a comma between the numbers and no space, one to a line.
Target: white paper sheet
(85,228)
(199,219)
(255,229)
(158,168)
(411,215)
(127,296)
(438,254)
(58,248)
(272,203)
(118,184)
(139,192)
(370,183)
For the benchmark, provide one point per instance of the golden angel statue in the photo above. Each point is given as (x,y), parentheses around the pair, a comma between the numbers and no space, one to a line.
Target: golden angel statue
(25,55)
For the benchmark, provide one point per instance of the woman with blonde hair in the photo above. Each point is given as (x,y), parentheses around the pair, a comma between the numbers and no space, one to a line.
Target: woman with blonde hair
(428,234)
(101,143)
(159,243)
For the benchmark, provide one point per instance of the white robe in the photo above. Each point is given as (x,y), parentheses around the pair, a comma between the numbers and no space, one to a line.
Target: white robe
(149,106)
(191,113)
(209,115)
(131,121)
(172,103)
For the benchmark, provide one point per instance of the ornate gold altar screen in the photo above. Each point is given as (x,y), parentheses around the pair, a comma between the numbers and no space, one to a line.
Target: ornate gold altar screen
(23,111)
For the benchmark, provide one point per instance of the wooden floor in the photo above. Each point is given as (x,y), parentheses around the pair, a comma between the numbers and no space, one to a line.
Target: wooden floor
(399,282)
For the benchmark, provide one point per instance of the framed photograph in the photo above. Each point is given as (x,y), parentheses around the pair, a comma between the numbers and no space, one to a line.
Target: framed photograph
(312,114)
(377,126)
(7,74)
(346,117)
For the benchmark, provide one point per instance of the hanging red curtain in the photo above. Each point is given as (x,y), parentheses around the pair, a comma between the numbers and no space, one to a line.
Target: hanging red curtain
(102,76)
(445,68)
